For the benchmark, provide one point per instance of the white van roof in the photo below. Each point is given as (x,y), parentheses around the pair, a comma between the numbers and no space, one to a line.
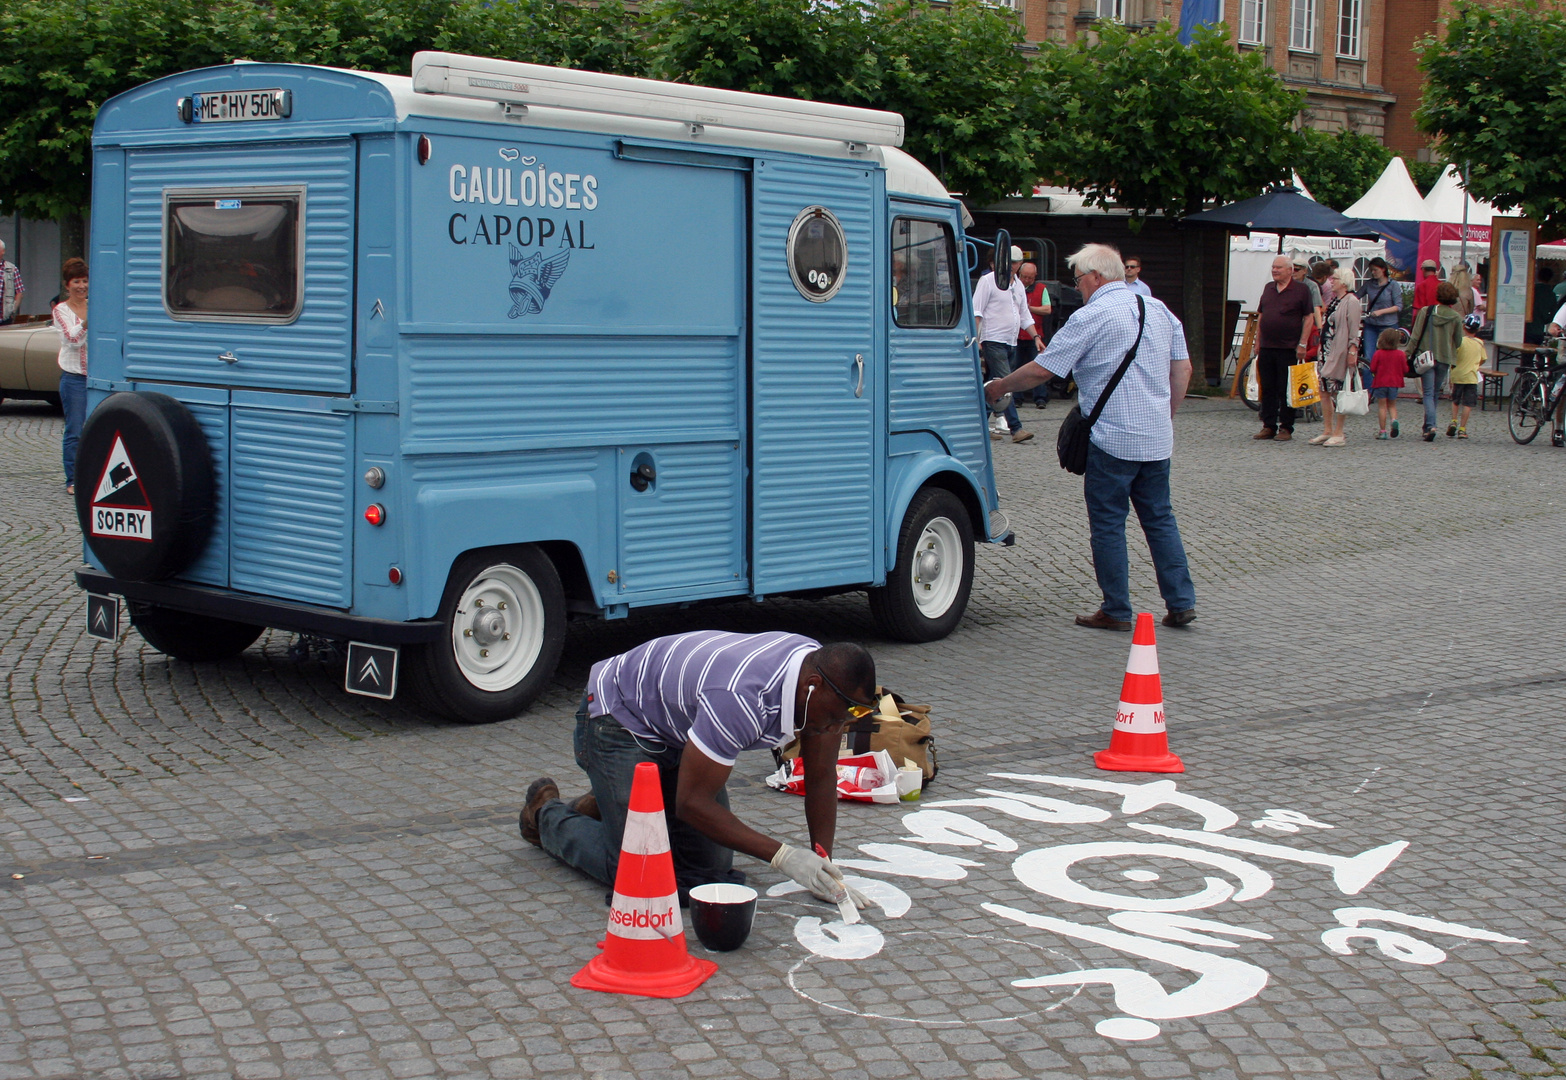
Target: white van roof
(561,98)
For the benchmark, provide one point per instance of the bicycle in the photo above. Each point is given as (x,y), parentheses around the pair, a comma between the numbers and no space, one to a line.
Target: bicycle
(1536,394)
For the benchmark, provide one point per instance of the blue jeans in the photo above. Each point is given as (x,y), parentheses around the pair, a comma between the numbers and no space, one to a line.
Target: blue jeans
(1428,383)
(73,400)
(997,362)
(1027,352)
(609,755)
(1111,485)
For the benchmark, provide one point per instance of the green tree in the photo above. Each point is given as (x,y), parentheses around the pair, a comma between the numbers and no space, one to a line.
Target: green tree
(966,92)
(1143,122)
(1340,168)
(1424,174)
(602,37)
(1493,101)
(59,62)
(969,97)
(792,48)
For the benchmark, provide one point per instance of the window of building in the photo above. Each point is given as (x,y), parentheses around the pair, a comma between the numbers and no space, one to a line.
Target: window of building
(1349,17)
(1253,16)
(234,255)
(1302,25)
(924,274)
(1112,9)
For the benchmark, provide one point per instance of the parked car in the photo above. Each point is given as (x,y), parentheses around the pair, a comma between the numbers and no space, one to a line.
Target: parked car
(29,362)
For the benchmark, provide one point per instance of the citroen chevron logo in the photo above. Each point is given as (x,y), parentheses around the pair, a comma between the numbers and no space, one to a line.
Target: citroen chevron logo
(378,309)
(100,619)
(370,670)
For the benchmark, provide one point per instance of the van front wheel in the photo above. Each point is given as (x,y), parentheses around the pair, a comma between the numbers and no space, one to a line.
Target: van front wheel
(504,624)
(926,593)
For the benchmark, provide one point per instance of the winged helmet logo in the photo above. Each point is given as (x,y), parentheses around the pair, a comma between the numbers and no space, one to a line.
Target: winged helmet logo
(533,277)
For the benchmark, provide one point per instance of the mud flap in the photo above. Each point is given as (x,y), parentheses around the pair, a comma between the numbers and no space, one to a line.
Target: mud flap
(372,670)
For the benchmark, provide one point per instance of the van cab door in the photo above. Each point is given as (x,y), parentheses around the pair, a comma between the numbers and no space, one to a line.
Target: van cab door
(816,389)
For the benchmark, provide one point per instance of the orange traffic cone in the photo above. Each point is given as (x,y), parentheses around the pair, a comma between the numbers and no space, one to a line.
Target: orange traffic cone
(1140,743)
(644,951)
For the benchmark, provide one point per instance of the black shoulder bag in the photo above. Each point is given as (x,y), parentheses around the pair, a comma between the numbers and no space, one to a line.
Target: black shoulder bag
(1071,444)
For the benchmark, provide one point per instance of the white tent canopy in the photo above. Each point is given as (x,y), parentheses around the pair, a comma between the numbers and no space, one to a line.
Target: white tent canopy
(1393,197)
(1444,204)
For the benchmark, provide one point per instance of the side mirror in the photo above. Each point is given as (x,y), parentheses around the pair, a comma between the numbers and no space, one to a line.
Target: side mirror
(1003,260)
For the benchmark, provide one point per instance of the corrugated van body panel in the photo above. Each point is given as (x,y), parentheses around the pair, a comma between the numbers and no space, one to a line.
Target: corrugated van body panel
(291,500)
(211,567)
(813,488)
(934,388)
(311,353)
(616,389)
(687,528)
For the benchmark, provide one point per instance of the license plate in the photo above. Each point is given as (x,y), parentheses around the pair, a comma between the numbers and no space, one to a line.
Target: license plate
(225,106)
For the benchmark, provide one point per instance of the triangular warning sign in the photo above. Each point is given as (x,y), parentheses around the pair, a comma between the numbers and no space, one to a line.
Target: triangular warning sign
(118,471)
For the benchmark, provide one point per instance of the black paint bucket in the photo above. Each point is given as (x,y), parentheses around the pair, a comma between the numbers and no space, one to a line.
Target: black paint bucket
(722,914)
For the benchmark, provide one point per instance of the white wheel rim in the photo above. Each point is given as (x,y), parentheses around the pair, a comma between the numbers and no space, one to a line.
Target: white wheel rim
(497,630)
(936,568)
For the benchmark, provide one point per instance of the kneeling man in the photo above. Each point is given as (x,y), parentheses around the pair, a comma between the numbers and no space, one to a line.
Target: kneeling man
(690,703)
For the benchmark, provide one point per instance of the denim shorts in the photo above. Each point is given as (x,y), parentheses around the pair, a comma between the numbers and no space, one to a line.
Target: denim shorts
(1384,393)
(1465,393)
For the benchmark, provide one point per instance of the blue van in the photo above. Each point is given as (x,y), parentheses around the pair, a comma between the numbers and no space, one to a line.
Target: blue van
(430,365)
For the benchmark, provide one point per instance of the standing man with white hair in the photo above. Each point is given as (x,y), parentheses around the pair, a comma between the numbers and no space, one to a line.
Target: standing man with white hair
(11,289)
(1003,317)
(1133,439)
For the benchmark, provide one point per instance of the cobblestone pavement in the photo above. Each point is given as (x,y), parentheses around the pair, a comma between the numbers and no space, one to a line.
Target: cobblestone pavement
(238,870)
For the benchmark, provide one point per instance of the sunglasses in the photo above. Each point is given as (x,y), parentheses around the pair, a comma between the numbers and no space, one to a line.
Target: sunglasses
(855,709)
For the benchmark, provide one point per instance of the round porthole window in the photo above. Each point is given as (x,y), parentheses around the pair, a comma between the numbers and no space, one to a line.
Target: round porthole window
(817,254)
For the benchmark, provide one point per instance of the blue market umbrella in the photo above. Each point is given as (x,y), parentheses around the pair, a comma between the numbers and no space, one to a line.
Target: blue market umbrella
(1283,210)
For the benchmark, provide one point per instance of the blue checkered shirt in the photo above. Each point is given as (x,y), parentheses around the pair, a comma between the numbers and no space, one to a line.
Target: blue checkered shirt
(1135,424)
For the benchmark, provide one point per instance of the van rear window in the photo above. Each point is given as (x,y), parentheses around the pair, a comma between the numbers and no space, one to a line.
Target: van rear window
(234,255)
(924,262)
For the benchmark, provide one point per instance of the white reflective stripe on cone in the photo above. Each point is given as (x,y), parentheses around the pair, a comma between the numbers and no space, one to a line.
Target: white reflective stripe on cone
(645,834)
(645,918)
(1143,660)
(1143,719)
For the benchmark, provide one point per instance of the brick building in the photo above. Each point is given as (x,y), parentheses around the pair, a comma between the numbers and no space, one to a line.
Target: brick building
(1354,59)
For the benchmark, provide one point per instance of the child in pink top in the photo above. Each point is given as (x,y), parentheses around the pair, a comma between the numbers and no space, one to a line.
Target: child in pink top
(1387,368)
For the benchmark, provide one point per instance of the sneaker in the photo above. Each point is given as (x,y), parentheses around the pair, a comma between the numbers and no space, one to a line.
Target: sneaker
(1394,429)
(1381,434)
(1020,436)
(1558,437)
(1429,435)
(1462,433)
(1451,429)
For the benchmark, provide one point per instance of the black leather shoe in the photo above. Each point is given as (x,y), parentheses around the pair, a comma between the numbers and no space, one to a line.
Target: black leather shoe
(539,792)
(1099,621)
(1180,618)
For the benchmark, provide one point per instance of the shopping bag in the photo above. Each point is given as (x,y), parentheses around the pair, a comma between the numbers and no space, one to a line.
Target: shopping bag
(1304,385)
(1353,399)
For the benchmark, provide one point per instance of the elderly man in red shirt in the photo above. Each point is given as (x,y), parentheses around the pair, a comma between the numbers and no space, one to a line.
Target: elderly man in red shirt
(1429,282)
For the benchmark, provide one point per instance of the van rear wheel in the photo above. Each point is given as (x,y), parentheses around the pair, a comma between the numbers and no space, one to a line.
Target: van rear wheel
(504,621)
(926,593)
(186,636)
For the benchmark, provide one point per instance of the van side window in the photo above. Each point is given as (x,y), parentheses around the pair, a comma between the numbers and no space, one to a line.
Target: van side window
(233,255)
(924,274)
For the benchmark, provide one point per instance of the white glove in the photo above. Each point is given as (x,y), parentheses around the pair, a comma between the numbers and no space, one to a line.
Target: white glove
(820,876)
(861,901)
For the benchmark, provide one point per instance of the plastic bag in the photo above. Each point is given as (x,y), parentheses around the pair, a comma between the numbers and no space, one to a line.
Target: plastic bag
(861,778)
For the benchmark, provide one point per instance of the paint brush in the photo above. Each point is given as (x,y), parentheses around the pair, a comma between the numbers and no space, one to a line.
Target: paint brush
(845,907)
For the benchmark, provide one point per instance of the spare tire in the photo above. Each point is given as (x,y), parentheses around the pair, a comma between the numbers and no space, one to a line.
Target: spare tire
(144,490)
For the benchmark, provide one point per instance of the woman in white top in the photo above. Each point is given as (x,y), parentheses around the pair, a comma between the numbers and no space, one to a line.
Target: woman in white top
(70,319)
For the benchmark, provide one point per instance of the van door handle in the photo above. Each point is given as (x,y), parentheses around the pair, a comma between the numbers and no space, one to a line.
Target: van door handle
(859,362)
(228,358)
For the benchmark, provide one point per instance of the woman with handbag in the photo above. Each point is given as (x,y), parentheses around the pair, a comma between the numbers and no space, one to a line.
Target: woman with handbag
(1383,300)
(1438,331)
(1340,331)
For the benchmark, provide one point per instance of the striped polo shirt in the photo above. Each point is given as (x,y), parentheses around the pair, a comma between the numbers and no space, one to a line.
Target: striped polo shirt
(723,692)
